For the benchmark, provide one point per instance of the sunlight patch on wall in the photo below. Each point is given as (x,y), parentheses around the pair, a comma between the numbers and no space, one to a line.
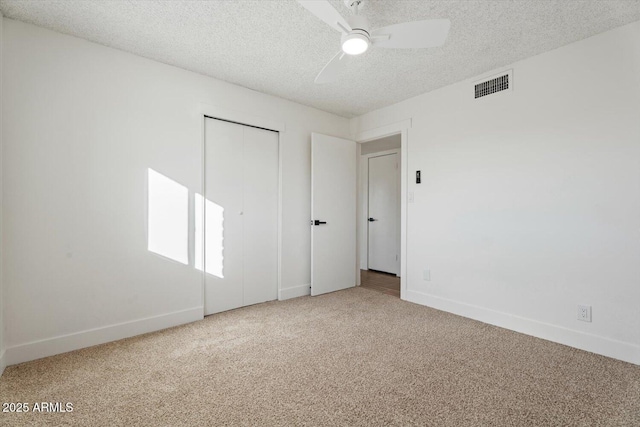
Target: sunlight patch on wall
(213,230)
(168,217)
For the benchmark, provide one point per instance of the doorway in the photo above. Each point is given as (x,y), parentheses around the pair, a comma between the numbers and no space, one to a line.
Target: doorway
(380,211)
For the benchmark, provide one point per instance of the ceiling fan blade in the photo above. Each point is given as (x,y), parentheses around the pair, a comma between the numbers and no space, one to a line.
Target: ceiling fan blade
(409,35)
(327,13)
(333,69)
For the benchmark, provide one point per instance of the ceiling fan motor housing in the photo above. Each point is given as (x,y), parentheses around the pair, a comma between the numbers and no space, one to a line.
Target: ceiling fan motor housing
(359,22)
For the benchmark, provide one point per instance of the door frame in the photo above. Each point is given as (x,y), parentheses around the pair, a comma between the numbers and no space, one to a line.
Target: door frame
(363,193)
(239,117)
(403,129)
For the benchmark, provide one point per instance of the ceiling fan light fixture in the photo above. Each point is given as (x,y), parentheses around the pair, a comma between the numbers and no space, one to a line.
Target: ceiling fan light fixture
(357,34)
(355,43)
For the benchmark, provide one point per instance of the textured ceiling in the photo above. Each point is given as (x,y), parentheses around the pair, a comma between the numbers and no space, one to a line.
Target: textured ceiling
(278,47)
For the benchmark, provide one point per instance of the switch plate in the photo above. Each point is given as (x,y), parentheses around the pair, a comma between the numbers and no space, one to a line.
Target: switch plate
(410,198)
(584,313)
(426,275)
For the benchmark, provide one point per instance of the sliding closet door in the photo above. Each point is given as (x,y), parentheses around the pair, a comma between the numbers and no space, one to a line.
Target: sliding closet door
(241,216)
(260,215)
(223,216)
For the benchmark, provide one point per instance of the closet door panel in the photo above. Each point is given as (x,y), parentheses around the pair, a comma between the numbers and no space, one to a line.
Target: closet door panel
(260,172)
(223,216)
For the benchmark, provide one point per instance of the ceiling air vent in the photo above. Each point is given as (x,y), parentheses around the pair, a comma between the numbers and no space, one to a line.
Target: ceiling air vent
(504,81)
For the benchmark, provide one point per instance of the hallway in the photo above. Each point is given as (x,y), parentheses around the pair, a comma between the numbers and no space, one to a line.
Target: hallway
(381,282)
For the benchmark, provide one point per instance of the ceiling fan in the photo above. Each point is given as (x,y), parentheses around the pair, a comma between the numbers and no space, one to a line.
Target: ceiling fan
(357,36)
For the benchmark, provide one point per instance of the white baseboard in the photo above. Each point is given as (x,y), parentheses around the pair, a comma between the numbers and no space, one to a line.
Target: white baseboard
(62,344)
(3,363)
(294,292)
(620,350)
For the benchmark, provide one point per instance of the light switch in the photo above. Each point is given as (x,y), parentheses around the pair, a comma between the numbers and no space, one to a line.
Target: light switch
(410,198)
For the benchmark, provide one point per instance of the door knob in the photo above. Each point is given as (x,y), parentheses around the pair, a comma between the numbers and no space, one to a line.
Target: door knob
(317,222)
(371,219)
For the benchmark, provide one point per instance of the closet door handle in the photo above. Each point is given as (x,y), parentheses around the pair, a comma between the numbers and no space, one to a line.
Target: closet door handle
(371,219)
(317,222)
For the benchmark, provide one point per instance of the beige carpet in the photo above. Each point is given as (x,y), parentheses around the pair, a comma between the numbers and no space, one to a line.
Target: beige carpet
(356,357)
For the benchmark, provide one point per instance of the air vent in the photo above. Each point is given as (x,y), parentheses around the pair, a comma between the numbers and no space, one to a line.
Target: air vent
(493,85)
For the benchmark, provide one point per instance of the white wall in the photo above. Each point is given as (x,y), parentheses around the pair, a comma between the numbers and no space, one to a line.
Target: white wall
(530,200)
(2,352)
(82,123)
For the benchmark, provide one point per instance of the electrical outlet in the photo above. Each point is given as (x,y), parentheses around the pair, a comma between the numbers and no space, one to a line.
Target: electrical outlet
(426,275)
(584,313)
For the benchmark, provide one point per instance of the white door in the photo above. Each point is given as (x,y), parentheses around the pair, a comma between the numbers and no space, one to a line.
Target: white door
(333,208)
(383,213)
(240,211)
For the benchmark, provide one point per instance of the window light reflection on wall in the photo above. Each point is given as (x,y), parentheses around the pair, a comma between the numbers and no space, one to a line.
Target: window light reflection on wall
(168,217)
(213,230)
